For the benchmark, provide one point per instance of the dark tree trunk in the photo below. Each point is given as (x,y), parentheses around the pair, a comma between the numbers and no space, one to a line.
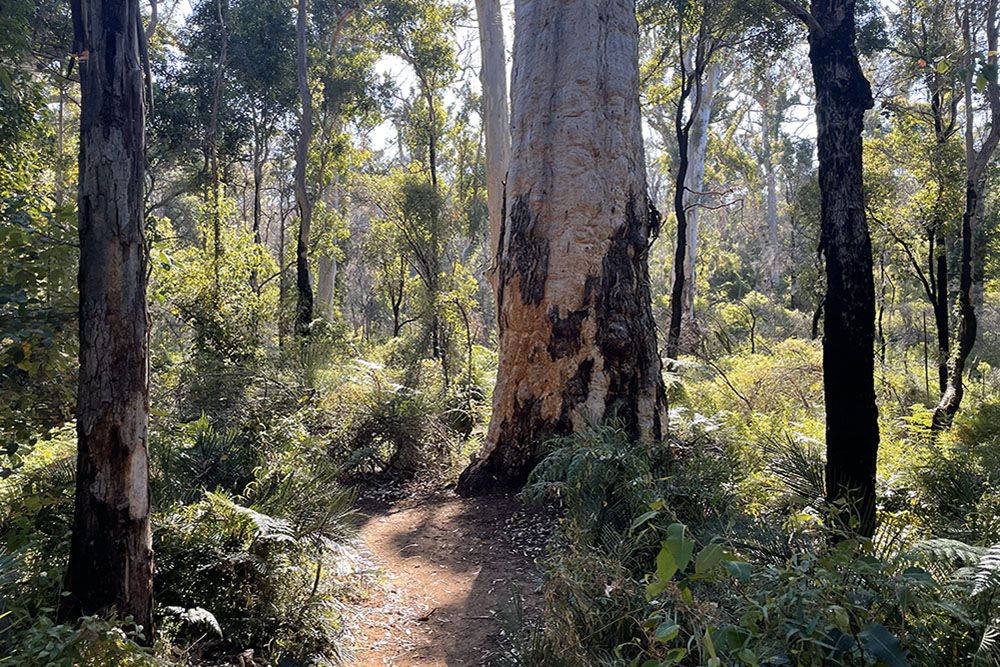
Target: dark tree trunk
(976,166)
(954,389)
(940,304)
(682,130)
(111,556)
(691,82)
(577,337)
(304,310)
(842,96)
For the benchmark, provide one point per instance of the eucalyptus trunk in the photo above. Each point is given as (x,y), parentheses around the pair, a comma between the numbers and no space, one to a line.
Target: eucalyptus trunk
(496,116)
(976,162)
(842,97)
(304,308)
(695,185)
(111,555)
(577,341)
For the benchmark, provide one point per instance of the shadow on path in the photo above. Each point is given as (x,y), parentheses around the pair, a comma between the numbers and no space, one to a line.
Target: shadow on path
(452,567)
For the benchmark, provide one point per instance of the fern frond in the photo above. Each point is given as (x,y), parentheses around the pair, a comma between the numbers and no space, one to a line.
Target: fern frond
(988,572)
(945,551)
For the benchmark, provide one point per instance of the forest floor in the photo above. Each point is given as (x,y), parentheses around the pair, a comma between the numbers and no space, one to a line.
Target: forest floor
(451,570)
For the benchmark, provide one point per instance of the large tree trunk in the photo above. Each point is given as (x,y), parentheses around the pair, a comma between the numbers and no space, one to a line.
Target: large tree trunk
(577,337)
(695,185)
(111,554)
(304,309)
(842,96)
(496,117)
(976,164)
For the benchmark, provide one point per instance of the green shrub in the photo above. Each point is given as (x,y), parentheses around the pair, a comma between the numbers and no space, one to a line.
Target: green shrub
(91,642)
(760,581)
(957,489)
(258,575)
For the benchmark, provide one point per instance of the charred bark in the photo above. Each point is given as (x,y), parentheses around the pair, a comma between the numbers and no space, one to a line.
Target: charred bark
(303,283)
(842,97)
(939,303)
(111,557)
(691,83)
(977,162)
(968,324)
(577,337)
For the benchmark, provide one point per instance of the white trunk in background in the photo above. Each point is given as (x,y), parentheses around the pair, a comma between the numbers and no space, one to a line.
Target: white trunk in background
(577,341)
(326,281)
(694,182)
(774,250)
(496,117)
(768,137)
(326,266)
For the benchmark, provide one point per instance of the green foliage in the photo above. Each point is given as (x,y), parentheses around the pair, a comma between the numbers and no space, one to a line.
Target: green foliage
(257,575)
(760,581)
(957,488)
(390,422)
(601,478)
(92,642)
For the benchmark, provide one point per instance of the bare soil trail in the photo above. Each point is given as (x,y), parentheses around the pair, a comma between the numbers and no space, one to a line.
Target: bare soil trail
(451,569)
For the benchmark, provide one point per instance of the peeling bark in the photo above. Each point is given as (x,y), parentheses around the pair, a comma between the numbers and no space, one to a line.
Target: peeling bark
(577,337)
(111,555)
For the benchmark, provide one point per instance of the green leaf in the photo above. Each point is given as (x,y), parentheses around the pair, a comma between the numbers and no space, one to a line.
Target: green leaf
(883,646)
(918,574)
(708,558)
(641,519)
(656,587)
(674,656)
(666,563)
(988,571)
(738,569)
(709,645)
(667,631)
(679,545)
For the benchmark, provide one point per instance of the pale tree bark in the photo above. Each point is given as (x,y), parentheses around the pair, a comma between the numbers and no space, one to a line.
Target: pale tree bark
(326,280)
(695,184)
(842,97)
(331,126)
(496,116)
(326,265)
(692,85)
(976,162)
(577,338)
(111,555)
(304,307)
(770,125)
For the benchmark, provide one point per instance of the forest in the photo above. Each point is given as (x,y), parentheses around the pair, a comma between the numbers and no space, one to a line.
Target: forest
(555,333)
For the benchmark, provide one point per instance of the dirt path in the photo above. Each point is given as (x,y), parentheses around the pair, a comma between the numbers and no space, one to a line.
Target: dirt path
(451,568)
